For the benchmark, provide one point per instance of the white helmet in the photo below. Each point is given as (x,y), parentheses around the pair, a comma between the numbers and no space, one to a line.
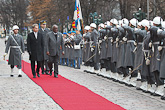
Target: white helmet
(87,28)
(93,25)
(102,25)
(15,27)
(163,24)
(145,23)
(134,22)
(114,21)
(157,20)
(108,23)
(125,22)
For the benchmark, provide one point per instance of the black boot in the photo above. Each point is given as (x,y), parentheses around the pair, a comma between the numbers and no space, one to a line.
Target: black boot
(55,75)
(38,74)
(50,73)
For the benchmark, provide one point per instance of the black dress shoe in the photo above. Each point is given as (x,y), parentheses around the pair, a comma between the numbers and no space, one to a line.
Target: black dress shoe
(50,74)
(43,72)
(47,73)
(34,76)
(19,75)
(38,74)
(138,88)
(163,97)
(11,75)
(154,94)
(56,75)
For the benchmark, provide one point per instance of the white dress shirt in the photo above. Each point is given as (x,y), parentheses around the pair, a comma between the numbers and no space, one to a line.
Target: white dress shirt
(36,33)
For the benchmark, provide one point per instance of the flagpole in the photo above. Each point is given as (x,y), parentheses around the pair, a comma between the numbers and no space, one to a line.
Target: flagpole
(82,25)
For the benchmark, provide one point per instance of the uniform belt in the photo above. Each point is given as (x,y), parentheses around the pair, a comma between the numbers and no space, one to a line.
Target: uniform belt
(110,37)
(155,42)
(15,46)
(131,41)
(103,39)
(114,42)
(146,50)
(140,43)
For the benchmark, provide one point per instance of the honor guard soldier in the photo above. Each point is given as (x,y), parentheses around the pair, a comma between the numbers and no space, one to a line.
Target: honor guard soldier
(121,49)
(63,58)
(129,55)
(155,58)
(94,47)
(16,44)
(43,30)
(161,48)
(102,49)
(87,53)
(77,49)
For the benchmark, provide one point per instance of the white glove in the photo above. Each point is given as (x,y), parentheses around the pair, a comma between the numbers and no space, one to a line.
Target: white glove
(150,44)
(111,40)
(136,29)
(124,39)
(5,54)
(147,62)
(92,49)
(159,30)
(112,29)
(100,41)
(118,26)
(117,39)
(105,37)
(135,43)
(160,48)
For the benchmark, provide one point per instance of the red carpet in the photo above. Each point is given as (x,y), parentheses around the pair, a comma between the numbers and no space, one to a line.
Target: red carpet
(70,95)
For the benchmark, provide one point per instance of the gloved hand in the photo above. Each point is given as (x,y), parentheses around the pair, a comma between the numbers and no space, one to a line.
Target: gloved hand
(100,41)
(159,30)
(117,39)
(147,62)
(160,48)
(111,40)
(5,54)
(105,37)
(92,49)
(135,43)
(136,29)
(124,39)
(118,26)
(150,44)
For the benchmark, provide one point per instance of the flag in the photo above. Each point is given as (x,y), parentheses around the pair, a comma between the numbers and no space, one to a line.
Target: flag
(77,14)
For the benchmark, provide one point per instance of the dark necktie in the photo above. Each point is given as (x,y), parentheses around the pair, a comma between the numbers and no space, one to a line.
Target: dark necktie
(55,36)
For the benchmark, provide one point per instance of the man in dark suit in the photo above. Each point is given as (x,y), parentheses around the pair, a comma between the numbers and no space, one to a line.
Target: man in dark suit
(43,30)
(54,43)
(35,48)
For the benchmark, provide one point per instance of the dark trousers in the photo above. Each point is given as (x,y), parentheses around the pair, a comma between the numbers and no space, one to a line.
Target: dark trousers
(44,62)
(18,66)
(53,60)
(33,67)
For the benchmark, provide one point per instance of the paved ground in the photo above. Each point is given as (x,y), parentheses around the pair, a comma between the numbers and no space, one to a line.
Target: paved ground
(22,93)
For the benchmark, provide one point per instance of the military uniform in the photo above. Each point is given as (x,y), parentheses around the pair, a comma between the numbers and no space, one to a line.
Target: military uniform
(45,61)
(95,52)
(16,49)
(87,53)
(77,52)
